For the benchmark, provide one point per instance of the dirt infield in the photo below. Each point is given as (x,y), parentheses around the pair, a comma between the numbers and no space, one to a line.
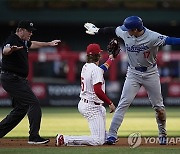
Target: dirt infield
(123,142)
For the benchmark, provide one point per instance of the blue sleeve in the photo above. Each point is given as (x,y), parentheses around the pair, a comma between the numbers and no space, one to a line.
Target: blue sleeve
(172,41)
(103,67)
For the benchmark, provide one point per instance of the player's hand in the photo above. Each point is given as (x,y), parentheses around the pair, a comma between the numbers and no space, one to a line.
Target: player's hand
(91,28)
(111,56)
(112,108)
(54,42)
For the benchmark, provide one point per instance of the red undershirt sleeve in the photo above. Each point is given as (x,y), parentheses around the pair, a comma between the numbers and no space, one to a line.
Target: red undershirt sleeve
(101,95)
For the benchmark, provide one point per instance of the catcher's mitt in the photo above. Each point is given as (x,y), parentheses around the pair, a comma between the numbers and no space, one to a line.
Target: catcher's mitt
(114,47)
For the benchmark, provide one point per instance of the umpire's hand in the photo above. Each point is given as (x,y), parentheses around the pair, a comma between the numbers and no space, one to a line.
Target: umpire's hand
(54,42)
(9,49)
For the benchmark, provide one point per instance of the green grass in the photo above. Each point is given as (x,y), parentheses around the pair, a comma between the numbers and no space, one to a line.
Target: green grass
(90,150)
(70,122)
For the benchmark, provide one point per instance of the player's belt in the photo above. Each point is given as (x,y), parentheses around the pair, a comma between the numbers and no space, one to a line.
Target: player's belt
(86,101)
(144,69)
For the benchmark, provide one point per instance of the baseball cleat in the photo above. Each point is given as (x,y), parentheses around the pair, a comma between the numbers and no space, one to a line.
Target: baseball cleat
(162,140)
(59,140)
(111,140)
(38,140)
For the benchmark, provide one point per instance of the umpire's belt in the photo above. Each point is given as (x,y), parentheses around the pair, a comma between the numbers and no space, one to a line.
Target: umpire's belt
(13,74)
(144,69)
(86,101)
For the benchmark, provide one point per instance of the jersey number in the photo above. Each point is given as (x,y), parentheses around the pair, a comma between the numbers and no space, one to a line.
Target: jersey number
(146,54)
(82,84)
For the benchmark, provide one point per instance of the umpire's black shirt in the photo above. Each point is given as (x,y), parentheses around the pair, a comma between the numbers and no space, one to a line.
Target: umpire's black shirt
(17,61)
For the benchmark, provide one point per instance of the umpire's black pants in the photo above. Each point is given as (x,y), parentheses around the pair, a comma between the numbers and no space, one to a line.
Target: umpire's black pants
(24,102)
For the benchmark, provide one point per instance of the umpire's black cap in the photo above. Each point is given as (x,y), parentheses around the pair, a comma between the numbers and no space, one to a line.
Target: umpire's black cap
(26,24)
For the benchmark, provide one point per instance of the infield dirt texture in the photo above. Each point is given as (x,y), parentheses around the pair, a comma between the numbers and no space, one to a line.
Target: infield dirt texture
(123,142)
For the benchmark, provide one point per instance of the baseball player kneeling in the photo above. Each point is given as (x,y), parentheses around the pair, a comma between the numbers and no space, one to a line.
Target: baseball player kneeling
(92,98)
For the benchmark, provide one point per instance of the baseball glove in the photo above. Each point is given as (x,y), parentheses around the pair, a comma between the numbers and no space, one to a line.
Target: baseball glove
(114,47)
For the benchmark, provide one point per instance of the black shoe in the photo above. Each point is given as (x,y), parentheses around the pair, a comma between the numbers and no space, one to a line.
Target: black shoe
(37,140)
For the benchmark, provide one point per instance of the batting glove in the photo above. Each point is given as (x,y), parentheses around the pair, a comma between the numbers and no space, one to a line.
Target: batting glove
(91,28)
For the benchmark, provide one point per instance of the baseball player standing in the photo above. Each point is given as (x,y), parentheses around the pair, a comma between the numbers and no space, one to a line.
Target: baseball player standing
(141,46)
(13,79)
(92,98)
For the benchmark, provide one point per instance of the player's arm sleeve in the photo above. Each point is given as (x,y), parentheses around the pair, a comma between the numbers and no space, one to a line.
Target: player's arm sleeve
(158,39)
(101,95)
(172,41)
(107,31)
(119,32)
(106,65)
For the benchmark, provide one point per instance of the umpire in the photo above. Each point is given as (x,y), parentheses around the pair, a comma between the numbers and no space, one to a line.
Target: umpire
(13,78)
